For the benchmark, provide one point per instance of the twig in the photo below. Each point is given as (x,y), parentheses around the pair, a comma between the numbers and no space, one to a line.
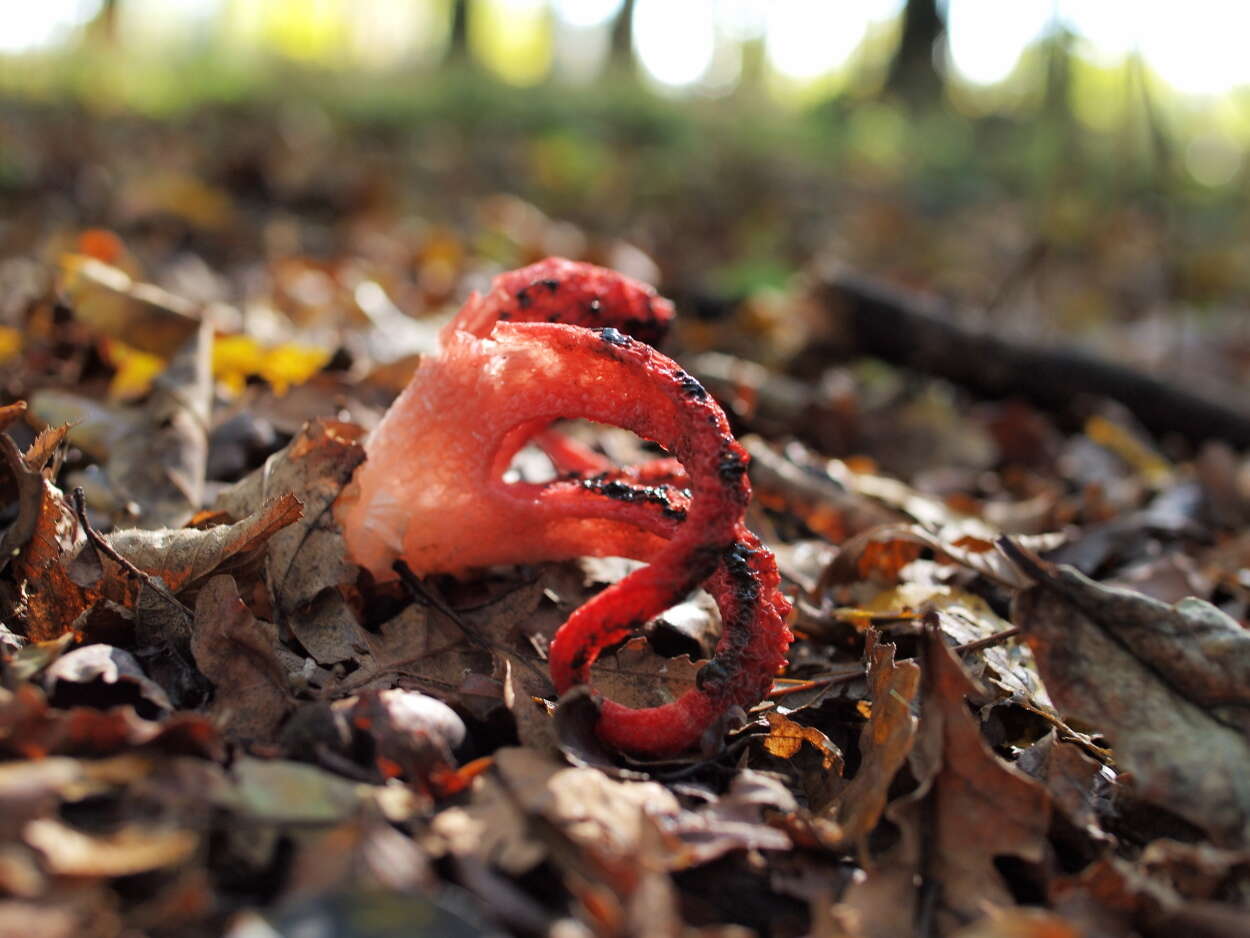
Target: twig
(871,318)
(980,644)
(99,543)
(816,683)
(418,591)
(989,641)
(432,600)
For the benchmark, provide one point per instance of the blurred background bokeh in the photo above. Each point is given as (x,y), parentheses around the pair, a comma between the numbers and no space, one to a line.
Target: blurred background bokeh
(1055,168)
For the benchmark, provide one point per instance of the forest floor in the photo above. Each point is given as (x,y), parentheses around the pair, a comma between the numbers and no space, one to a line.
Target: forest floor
(1018,700)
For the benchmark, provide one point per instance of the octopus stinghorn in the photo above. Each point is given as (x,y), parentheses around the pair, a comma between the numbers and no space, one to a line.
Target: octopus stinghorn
(561,339)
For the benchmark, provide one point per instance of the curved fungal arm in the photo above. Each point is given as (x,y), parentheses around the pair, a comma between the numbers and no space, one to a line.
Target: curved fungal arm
(432,492)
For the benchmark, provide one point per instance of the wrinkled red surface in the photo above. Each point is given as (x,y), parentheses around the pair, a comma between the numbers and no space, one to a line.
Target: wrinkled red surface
(432,492)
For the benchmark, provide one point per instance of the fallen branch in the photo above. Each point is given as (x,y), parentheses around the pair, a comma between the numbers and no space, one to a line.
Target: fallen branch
(872,318)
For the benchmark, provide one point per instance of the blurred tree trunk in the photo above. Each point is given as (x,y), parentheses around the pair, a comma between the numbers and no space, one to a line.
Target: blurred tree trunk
(754,66)
(621,56)
(458,39)
(913,75)
(102,30)
(1058,100)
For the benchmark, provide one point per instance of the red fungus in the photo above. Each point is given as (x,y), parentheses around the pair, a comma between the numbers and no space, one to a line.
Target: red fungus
(547,342)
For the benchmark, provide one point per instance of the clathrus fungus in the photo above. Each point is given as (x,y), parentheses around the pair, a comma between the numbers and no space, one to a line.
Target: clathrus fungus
(559,340)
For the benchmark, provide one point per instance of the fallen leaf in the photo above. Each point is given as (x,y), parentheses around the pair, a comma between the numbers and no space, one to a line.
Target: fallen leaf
(140,314)
(30,729)
(39,543)
(1079,786)
(162,466)
(235,651)
(635,676)
(103,676)
(881,553)
(1022,923)
(185,557)
(737,820)
(305,564)
(968,809)
(785,739)
(1113,896)
(19,919)
(884,742)
(1169,686)
(133,849)
(583,803)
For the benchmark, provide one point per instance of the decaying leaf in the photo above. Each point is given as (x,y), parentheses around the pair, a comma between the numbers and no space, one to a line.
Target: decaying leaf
(881,553)
(185,557)
(30,729)
(738,820)
(636,676)
(1022,923)
(133,849)
(1113,895)
(885,740)
(583,803)
(1169,686)
(140,314)
(161,466)
(786,738)
(968,809)
(104,676)
(305,564)
(45,536)
(236,652)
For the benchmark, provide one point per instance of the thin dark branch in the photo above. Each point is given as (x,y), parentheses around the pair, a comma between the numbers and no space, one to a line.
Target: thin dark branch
(871,318)
(100,544)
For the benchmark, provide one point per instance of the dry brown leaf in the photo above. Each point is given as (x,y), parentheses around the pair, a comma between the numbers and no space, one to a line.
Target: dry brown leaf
(737,820)
(1112,896)
(20,919)
(1078,785)
(305,564)
(184,557)
(1169,686)
(11,413)
(30,729)
(161,466)
(583,803)
(103,676)
(635,676)
(882,552)
(785,739)
(44,447)
(884,742)
(235,651)
(1022,923)
(970,808)
(133,849)
(139,314)
(41,542)
(26,486)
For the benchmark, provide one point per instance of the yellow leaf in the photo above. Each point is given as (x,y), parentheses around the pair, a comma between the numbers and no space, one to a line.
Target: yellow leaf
(1144,460)
(292,364)
(10,343)
(135,370)
(239,357)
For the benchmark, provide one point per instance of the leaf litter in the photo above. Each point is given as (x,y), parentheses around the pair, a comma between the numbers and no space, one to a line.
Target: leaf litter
(1001,716)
